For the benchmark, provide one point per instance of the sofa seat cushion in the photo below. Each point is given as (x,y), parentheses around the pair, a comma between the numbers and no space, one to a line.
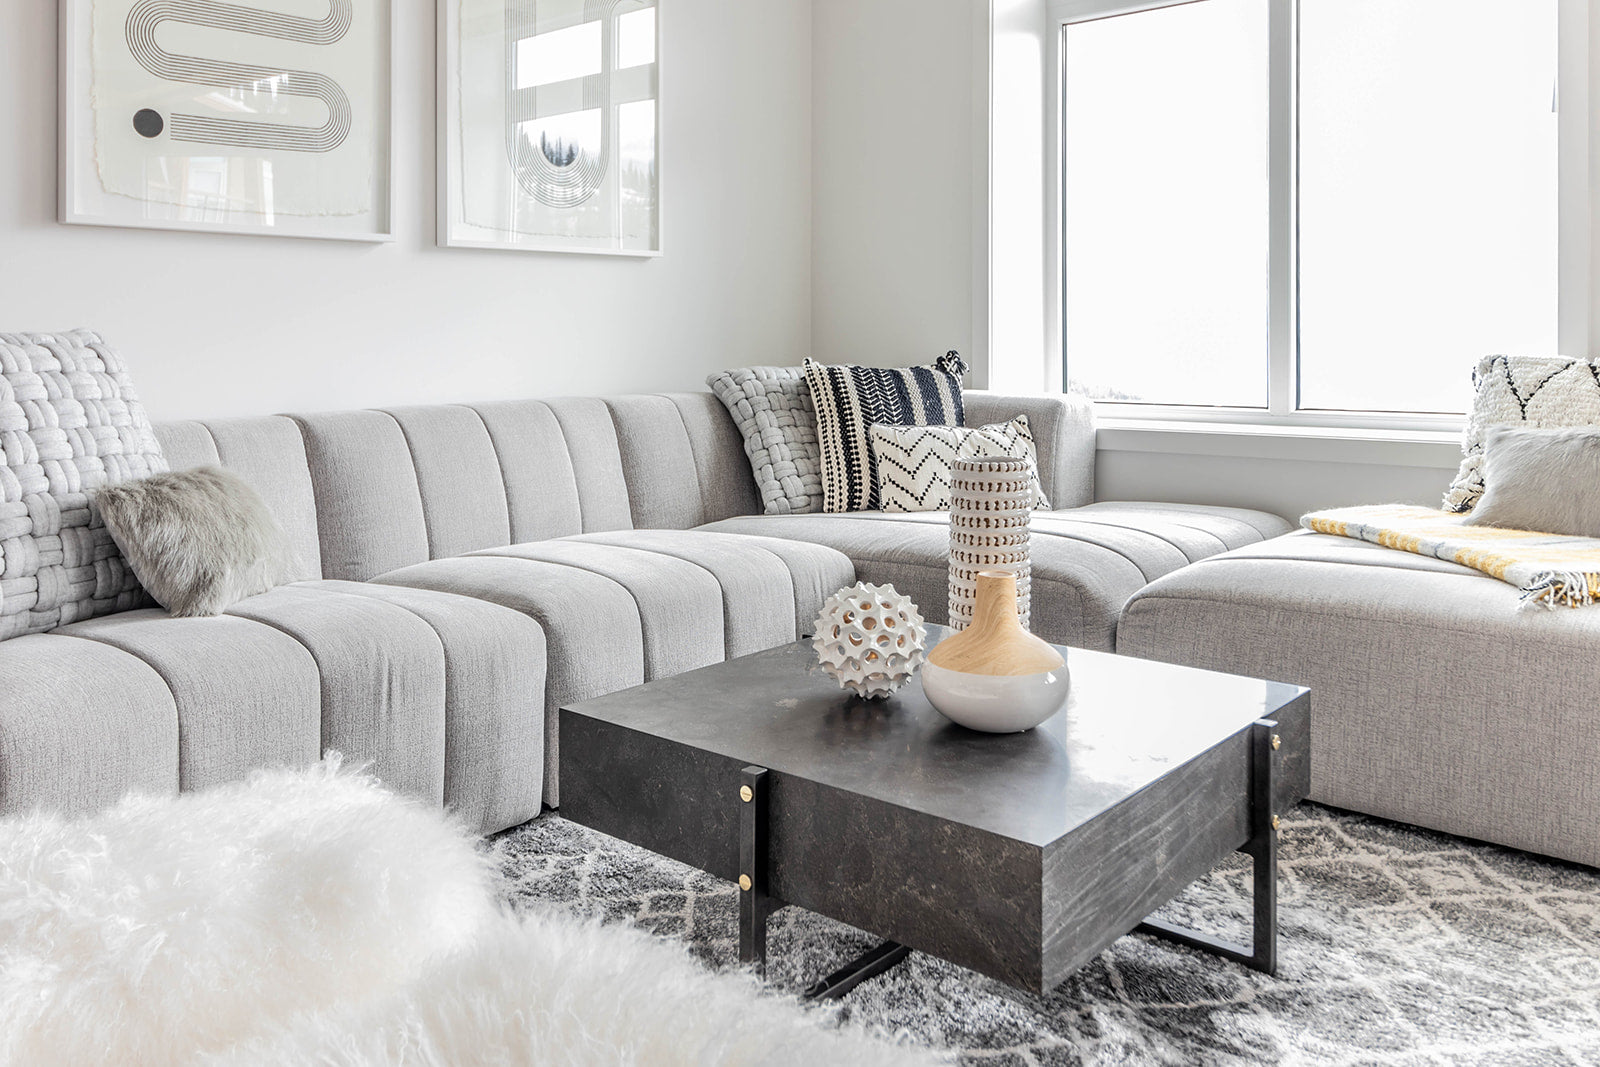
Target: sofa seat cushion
(442,695)
(419,686)
(1087,561)
(1435,700)
(81,723)
(247,694)
(622,608)
(494,669)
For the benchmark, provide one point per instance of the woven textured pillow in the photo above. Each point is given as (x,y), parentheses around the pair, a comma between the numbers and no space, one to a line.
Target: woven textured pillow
(848,400)
(772,408)
(1536,392)
(913,462)
(200,540)
(69,422)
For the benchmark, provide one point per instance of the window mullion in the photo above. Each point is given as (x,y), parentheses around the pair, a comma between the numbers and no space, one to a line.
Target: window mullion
(1281,331)
(1573,296)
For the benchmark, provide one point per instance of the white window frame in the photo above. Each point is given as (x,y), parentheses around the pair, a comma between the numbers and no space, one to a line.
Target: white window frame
(1573,220)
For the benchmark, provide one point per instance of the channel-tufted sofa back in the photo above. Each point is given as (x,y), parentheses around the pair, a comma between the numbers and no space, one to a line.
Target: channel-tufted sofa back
(364,492)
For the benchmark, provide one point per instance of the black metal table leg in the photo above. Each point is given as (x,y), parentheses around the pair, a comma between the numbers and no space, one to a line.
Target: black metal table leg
(1262,848)
(869,964)
(753,904)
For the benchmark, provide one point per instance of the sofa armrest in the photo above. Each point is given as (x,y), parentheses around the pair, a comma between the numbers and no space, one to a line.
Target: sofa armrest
(1063,432)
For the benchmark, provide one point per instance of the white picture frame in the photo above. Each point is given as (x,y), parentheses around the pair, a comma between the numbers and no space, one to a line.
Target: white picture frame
(286,132)
(496,189)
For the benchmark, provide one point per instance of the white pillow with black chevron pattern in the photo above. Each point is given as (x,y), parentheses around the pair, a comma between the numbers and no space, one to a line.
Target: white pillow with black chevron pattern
(849,399)
(913,462)
(1534,392)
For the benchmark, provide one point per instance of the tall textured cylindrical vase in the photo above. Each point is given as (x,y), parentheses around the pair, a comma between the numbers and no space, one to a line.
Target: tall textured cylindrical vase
(991,500)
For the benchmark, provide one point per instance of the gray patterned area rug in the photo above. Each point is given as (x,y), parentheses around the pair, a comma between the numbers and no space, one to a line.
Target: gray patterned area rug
(1398,947)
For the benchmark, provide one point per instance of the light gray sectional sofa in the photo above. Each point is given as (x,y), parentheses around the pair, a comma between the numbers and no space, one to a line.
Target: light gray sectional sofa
(1437,702)
(465,570)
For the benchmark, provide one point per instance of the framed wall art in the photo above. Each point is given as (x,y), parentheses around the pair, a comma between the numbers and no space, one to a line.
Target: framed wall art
(549,126)
(254,116)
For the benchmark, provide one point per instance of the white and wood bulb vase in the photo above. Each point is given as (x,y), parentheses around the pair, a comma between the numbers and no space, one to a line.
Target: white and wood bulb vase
(995,676)
(991,502)
(870,638)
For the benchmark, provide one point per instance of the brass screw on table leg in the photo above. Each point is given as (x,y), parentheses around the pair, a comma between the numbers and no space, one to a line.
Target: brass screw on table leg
(746,794)
(1274,822)
(1277,742)
(744,882)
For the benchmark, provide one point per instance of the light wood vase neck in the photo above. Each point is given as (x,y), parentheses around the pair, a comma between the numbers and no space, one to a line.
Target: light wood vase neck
(995,643)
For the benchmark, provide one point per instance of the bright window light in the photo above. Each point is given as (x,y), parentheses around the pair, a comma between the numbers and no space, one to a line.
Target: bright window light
(559,55)
(1427,196)
(636,38)
(1165,223)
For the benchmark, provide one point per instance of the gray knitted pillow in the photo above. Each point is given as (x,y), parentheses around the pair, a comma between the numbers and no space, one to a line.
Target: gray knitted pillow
(69,423)
(772,408)
(200,540)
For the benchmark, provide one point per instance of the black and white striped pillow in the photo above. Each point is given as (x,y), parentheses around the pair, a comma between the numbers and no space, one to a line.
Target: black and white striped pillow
(848,400)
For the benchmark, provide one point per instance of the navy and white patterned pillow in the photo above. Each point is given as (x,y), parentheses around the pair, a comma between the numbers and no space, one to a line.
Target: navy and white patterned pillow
(914,462)
(848,400)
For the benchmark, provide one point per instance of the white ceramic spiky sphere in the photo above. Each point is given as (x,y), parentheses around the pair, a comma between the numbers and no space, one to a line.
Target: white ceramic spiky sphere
(870,638)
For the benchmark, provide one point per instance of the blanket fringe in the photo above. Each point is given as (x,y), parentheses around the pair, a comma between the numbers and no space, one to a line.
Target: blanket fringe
(1548,589)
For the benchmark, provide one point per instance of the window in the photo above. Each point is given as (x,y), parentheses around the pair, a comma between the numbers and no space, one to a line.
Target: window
(1308,210)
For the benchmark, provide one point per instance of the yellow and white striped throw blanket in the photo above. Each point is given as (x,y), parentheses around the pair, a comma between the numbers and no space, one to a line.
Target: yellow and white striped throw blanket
(1550,569)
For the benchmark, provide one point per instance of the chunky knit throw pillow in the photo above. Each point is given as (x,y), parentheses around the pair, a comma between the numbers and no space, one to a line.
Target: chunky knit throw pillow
(1535,392)
(848,400)
(772,408)
(69,423)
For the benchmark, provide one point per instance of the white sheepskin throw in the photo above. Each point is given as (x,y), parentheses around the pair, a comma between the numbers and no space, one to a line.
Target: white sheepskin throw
(311,917)
(547,989)
(166,927)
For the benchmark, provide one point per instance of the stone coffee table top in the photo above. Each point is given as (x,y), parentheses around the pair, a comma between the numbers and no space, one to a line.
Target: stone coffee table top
(1047,844)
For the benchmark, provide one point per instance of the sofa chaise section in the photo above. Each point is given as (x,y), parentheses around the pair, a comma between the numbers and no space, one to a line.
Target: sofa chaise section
(1437,702)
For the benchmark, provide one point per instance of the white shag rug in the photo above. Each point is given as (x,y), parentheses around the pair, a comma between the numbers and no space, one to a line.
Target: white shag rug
(311,917)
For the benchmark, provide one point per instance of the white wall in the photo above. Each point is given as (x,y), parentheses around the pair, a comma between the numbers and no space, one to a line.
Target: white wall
(892,184)
(217,325)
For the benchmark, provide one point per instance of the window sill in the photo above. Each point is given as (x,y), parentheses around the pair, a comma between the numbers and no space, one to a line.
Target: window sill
(1319,444)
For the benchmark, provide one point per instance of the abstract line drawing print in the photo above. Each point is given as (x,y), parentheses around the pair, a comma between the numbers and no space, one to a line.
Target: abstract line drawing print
(146,18)
(246,116)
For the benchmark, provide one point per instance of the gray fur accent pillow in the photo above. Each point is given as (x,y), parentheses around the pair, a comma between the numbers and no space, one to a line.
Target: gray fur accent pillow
(199,540)
(772,408)
(1540,480)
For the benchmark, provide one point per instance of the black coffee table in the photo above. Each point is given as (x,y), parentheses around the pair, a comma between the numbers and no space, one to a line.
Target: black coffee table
(1021,856)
